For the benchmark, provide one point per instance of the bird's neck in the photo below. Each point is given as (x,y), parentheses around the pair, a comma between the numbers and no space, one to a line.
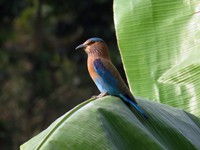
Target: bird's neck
(99,52)
(99,55)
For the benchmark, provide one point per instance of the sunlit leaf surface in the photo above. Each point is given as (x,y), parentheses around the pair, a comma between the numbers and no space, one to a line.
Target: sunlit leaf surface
(159,41)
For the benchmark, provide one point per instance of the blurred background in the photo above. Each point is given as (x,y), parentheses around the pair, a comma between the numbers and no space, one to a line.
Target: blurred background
(41,75)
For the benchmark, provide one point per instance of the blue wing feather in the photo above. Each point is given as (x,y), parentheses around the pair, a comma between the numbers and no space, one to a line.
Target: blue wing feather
(108,83)
(103,72)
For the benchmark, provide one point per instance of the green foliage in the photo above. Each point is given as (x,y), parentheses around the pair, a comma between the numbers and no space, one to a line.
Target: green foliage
(108,123)
(159,44)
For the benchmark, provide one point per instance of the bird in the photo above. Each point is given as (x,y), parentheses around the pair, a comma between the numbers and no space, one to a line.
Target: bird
(104,74)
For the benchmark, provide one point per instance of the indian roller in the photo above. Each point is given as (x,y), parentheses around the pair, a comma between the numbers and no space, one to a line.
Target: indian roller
(104,74)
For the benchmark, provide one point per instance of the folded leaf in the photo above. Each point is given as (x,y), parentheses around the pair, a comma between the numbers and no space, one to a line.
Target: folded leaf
(108,123)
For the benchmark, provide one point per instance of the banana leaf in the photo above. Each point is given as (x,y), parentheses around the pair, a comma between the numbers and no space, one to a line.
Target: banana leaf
(109,123)
(159,41)
(159,48)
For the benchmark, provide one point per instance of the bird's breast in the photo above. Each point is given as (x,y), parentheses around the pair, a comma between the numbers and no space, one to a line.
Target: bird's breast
(95,77)
(107,84)
(91,69)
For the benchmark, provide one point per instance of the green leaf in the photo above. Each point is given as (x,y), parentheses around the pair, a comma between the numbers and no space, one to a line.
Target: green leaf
(160,48)
(108,123)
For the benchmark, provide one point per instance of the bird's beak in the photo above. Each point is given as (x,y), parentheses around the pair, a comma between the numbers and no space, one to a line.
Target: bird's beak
(82,46)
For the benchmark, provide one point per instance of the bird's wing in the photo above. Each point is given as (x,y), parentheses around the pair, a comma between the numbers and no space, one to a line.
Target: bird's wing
(107,71)
(103,72)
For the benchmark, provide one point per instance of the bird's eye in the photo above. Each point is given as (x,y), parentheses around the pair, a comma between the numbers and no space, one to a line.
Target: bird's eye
(91,42)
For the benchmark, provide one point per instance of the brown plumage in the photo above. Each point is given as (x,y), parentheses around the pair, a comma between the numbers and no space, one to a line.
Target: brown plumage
(104,73)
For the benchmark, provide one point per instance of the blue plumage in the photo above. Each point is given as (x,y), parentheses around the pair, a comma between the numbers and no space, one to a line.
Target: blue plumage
(127,99)
(108,83)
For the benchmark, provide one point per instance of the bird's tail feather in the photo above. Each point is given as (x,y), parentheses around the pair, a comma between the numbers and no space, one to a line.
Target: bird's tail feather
(134,105)
(138,109)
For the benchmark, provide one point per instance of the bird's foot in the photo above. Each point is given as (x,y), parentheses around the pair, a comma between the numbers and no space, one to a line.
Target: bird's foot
(100,95)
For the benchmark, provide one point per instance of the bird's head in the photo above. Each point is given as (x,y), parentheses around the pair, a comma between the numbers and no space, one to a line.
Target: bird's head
(94,46)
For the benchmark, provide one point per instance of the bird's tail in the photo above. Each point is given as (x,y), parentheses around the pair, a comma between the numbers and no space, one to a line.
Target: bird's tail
(135,106)
(138,109)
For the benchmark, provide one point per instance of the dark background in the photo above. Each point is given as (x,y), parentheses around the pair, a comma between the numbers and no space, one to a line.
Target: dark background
(41,74)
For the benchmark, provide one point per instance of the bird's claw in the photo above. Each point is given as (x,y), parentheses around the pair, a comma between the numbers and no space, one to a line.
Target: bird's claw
(94,97)
(100,95)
